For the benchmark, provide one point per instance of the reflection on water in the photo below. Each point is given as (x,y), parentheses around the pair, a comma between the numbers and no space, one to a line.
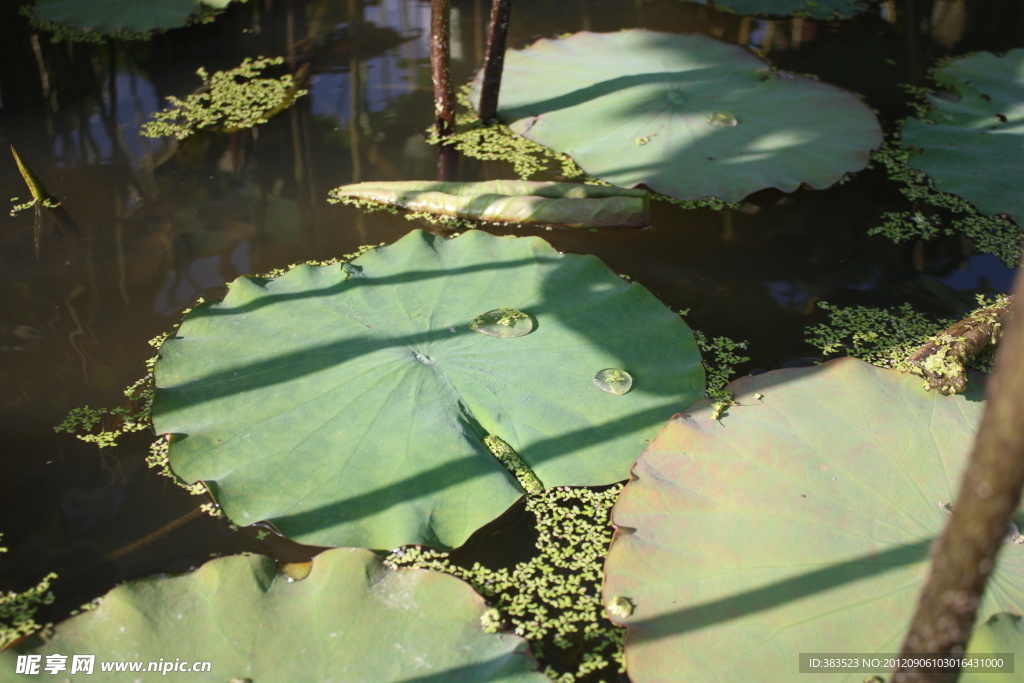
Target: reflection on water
(165,222)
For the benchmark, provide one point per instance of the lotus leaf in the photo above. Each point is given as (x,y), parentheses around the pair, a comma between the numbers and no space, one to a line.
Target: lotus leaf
(348,404)
(970,143)
(351,619)
(686,115)
(799,523)
(570,205)
(1001,633)
(819,9)
(106,16)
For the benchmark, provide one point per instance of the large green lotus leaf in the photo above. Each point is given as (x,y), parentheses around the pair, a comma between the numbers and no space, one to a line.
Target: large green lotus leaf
(106,16)
(819,9)
(569,205)
(974,147)
(351,619)
(642,107)
(1002,633)
(347,405)
(799,523)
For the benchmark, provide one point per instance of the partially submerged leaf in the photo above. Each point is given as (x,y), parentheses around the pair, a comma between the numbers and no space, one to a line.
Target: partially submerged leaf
(800,523)
(348,405)
(642,107)
(107,16)
(351,619)
(969,144)
(569,205)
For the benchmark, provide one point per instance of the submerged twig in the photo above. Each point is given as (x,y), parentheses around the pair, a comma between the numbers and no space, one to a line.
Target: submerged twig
(942,360)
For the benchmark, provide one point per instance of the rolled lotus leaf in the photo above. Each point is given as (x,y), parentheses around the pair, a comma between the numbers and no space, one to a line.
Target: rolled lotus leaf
(800,522)
(687,116)
(567,205)
(970,144)
(350,619)
(106,16)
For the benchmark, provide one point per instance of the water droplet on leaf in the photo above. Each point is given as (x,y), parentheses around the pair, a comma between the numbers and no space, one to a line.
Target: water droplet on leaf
(297,571)
(613,381)
(425,359)
(503,322)
(720,119)
(620,607)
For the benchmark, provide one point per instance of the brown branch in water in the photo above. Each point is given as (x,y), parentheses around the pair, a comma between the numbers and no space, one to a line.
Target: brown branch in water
(965,554)
(494,61)
(444,94)
(942,360)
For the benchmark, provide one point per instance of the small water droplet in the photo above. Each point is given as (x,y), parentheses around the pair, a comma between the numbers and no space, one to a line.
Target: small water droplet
(613,381)
(675,97)
(720,119)
(425,359)
(503,322)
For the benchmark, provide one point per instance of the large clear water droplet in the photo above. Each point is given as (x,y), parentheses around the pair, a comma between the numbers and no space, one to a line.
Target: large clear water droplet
(721,119)
(613,381)
(675,97)
(425,359)
(503,322)
(297,571)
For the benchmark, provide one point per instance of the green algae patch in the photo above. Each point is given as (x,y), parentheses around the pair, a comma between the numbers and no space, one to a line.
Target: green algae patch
(800,523)
(349,619)
(348,404)
(936,213)
(228,100)
(907,340)
(18,610)
(553,600)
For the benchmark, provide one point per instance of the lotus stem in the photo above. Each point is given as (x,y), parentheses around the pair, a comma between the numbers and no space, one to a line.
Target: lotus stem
(494,61)
(965,554)
(444,95)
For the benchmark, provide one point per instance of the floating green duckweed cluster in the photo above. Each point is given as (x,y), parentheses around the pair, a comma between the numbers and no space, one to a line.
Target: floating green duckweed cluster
(82,421)
(554,599)
(511,461)
(936,213)
(887,338)
(18,610)
(497,142)
(719,360)
(232,100)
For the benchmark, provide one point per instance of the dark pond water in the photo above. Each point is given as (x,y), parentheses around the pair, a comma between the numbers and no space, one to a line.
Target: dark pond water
(162,229)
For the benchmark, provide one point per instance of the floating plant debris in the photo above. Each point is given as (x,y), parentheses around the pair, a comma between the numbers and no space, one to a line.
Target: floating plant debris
(613,381)
(721,119)
(503,322)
